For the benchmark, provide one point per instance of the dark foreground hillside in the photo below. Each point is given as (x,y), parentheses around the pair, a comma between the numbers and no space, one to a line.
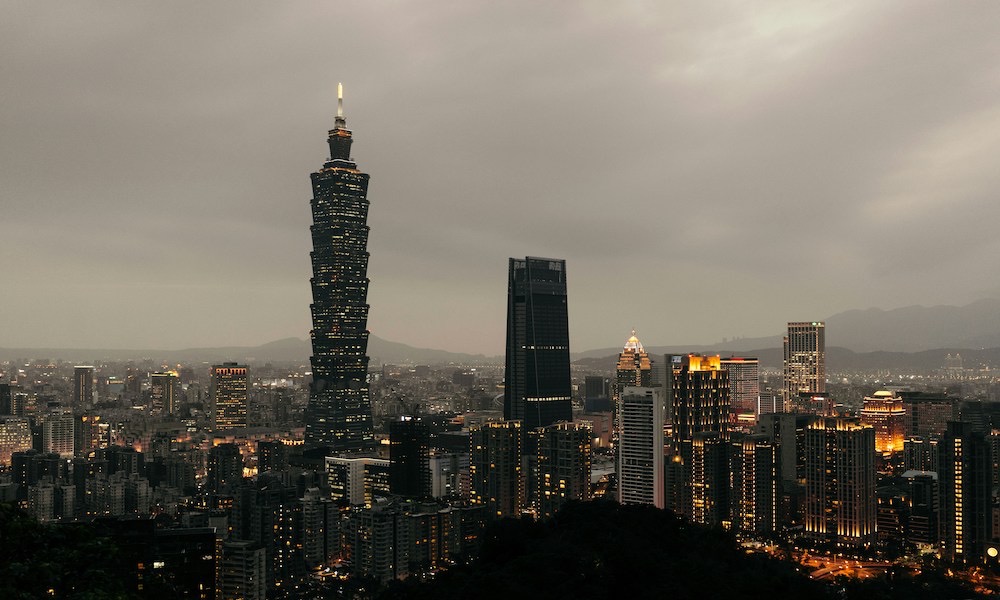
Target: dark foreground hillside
(602,550)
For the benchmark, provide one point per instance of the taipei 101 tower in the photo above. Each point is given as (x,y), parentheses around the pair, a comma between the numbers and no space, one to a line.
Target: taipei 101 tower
(339,414)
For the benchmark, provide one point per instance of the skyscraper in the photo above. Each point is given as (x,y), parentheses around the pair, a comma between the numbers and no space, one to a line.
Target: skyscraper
(753,497)
(230,395)
(537,381)
(83,386)
(744,384)
(409,457)
(884,412)
(163,393)
(699,397)
(634,367)
(840,481)
(563,471)
(805,361)
(640,446)
(966,483)
(495,468)
(339,414)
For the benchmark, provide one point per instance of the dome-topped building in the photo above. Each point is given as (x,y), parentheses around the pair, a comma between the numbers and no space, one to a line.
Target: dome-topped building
(634,367)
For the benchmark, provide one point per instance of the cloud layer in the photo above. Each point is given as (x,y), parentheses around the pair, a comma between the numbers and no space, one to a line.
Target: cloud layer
(706,171)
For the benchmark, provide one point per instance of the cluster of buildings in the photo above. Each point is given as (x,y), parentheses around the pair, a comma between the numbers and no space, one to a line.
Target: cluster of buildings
(907,469)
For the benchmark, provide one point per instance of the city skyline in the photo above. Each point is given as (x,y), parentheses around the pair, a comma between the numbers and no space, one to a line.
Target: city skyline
(762,147)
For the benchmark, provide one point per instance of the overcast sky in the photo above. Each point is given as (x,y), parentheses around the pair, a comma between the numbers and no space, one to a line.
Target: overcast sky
(707,170)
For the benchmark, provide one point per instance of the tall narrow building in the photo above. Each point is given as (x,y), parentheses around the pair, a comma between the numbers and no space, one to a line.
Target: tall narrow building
(840,481)
(163,387)
(83,386)
(744,384)
(495,472)
(339,414)
(537,381)
(230,395)
(805,362)
(640,446)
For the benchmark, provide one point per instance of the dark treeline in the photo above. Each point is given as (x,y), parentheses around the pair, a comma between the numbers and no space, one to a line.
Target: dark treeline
(605,550)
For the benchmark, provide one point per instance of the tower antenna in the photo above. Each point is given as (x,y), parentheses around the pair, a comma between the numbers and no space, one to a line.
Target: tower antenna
(340,100)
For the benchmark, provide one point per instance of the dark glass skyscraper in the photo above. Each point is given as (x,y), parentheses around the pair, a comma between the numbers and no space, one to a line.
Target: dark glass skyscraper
(339,414)
(537,388)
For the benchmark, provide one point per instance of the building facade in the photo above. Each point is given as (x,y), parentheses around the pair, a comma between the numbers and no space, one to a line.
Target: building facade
(884,412)
(163,393)
(840,501)
(495,471)
(537,389)
(804,361)
(563,466)
(965,484)
(230,395)
(83,386)
(744,384)
(640,447)
(339,414)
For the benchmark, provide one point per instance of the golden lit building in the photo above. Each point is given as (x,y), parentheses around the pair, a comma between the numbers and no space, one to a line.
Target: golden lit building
(840,481)
(634,367)
(884,411)
(699,397)
(230,389)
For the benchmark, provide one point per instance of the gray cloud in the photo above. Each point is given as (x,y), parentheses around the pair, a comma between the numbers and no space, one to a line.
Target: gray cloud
(707,171)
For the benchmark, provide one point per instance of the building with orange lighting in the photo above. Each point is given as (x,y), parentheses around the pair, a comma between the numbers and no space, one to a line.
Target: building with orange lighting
(884,412)
(229,395)
(840,499)
(699,399)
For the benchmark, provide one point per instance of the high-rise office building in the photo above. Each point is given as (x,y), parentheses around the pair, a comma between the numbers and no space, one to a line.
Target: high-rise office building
(563,467)
(83,386)
(163,392)
(495,468)
(805,362)
(640,446)
(699,397)
(15,436)
(537,379)
(754,498)
(708,474)
(6,404)
(840,481)
(58,432)
(634,368)
(787,431)
(927,414)
(339,414)
(965,481)
(242,571)
(409,457)
(225,467)
(230,395)
(744,384)
(884,412)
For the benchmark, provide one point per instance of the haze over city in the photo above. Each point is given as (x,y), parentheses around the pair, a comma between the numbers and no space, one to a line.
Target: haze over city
(705,171)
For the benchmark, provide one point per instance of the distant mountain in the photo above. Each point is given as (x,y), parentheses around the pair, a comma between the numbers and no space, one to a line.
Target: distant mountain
(287,350)
(908,329)
(838,360)
(917,328)
(872,334)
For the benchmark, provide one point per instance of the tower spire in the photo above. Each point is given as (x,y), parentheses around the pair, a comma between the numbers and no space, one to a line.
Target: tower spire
(341,122)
